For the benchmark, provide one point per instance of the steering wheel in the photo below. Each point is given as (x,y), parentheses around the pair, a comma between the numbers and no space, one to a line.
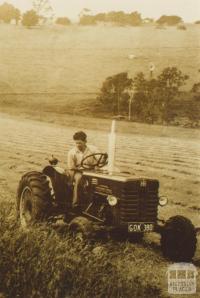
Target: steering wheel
(100,158)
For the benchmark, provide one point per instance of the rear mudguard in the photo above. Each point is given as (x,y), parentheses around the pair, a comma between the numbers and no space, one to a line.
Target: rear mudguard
(61,184)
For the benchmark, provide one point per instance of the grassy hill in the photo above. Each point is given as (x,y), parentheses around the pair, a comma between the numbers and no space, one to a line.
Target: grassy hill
(71,63)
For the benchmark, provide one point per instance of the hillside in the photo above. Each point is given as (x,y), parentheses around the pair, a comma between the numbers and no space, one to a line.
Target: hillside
(71,63)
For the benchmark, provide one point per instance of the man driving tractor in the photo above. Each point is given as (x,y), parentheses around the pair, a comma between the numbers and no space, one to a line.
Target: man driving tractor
(75,157)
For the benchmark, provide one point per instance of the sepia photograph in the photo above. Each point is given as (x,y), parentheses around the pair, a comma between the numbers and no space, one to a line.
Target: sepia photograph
(99,142)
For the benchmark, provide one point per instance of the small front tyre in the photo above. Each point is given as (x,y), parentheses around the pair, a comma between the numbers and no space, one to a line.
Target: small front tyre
(178,239)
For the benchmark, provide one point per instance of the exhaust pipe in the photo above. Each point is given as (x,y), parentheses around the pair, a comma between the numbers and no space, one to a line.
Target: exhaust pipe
(111,148)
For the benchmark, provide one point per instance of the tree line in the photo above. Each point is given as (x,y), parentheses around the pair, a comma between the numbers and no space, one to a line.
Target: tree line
(122,18)
(8,13)
(115,17)
(42,11)
(151,100)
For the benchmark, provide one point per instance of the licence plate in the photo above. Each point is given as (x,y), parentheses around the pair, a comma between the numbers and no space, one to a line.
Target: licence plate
(135,227)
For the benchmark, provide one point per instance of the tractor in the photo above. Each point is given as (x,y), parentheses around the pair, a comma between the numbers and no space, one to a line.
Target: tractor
(117,203)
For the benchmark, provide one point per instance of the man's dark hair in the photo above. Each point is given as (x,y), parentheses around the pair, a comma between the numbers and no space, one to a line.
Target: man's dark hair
(80,135)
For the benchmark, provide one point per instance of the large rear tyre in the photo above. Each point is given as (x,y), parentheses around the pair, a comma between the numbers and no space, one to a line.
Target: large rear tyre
(33,198)
(178,239)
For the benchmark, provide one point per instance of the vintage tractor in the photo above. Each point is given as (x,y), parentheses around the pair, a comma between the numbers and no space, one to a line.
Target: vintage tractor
(118,203)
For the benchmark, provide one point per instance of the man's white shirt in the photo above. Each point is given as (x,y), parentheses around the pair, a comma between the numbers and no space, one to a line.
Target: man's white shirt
(75,156)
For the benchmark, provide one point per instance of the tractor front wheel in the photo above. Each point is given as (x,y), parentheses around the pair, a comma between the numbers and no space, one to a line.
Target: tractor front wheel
(178,239)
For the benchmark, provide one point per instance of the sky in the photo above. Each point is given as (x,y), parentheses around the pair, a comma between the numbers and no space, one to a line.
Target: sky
(189,10)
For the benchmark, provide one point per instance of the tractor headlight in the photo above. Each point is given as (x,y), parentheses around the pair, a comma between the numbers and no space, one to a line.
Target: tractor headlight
(163,201)
(112,201)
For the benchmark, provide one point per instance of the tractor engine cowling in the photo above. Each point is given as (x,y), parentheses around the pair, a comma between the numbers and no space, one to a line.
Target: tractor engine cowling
(130,199)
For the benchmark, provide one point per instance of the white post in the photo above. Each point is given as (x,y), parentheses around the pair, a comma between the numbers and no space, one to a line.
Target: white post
(131,94)
(130,107)
(151,69)
(111,148)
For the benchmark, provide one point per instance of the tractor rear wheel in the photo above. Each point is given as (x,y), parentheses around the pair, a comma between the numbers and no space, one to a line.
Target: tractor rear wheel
(33,198)
(81,228)
(178,239)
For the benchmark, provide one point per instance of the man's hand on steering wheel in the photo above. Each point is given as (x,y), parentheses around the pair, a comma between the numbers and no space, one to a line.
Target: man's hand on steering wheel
(100,160)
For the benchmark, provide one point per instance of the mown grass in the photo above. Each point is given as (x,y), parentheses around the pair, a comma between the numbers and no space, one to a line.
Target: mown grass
(45,263)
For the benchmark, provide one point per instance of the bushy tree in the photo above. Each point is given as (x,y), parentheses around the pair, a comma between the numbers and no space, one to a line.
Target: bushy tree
(42,7)
(63,21)
(169,20)
(181,27)
(114,17)
(8,12)
(17,15)
(84,11)
(146,101)
(121,18)
(134,19)
(30,18)
(114,95)
(100,17)
(193,113)
(196,91)
(154,98)
(170,80)
(196,88)
(86,20)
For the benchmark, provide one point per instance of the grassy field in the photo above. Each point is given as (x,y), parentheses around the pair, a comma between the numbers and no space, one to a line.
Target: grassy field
(71,63)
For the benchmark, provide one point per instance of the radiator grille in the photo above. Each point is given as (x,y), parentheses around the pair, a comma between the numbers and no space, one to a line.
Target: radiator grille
(139,203)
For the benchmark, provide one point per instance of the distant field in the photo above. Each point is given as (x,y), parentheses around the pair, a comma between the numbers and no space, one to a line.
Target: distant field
(76,59)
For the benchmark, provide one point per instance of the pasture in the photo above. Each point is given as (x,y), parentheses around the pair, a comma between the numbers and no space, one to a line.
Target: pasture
(57,66)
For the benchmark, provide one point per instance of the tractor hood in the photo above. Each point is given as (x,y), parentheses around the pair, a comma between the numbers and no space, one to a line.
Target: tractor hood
(115,176)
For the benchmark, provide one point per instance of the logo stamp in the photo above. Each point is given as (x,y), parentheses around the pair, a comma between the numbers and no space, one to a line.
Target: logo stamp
(182,278)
